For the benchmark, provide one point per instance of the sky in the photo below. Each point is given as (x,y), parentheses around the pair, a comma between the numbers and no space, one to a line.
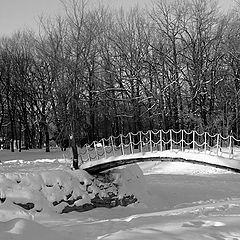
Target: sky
(24,14)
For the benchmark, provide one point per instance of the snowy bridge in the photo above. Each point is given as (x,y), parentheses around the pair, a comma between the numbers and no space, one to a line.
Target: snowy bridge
(165,146)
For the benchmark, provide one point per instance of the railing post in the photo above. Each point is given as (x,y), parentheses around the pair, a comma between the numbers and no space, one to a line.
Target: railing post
(104,150)
(230,146)
(182,140)
(193,140)
(112,145)
(171,140)
(140,141)
(96,152)
(161,140)
(122,147)
(205,142)
(217,144)
(131,143)
(150,140)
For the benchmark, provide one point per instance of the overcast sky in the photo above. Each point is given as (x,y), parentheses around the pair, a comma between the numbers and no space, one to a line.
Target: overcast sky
(19,14)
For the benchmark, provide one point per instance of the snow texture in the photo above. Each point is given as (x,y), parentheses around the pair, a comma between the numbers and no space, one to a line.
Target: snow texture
(65,190)
(175,201)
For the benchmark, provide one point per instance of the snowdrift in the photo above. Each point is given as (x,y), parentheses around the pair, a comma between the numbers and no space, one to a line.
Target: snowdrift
(20,229)
(64,190)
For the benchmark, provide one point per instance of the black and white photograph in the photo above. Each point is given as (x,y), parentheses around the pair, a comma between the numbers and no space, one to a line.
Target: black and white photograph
(119,119)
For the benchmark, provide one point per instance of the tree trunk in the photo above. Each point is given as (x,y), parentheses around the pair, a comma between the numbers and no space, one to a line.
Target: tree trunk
(40,141)
(20,136)
(74,152)
(12,131)
(47,140)
(73,132)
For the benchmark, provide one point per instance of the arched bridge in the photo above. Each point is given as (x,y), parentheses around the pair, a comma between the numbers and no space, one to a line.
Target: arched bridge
(165,146)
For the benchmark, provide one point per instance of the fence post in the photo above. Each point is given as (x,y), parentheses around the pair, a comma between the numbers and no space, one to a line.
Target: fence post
(171,140)
(131,144)
(150,140)
(122,147)
(230,145)
(96,152)
(161,140)
(217,143)
(104,150)
(140,141)
(193,140)
(113,146)
(205,142)
(182,141)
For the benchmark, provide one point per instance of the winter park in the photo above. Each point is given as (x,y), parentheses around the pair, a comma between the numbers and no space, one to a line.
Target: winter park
(120,120)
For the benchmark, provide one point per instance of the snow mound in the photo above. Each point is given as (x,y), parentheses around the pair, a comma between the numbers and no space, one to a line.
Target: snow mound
(19,228)
(131,180)
(60,191)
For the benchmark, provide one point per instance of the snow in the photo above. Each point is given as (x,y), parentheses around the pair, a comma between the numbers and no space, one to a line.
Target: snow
(208,157)
(23,229)
(175,200)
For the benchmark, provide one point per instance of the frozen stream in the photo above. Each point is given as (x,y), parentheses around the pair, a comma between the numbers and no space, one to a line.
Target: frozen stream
(176,201)
(197,203)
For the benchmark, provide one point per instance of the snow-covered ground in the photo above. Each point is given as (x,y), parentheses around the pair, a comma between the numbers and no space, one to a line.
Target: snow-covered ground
(176,201)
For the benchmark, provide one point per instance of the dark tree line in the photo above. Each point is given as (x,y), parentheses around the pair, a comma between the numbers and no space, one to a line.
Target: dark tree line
(94,73)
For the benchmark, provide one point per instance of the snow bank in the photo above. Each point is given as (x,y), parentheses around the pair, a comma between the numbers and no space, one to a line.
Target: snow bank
(26,229)
(60,191)
(131,180)
(179,168)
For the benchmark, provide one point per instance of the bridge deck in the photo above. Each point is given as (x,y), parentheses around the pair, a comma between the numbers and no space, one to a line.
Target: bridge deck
(198,148)
(208,159)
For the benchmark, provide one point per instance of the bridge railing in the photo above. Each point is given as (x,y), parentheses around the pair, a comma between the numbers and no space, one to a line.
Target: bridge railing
(161,140)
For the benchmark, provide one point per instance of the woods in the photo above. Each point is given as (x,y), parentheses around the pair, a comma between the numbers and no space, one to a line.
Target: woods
(92,73)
